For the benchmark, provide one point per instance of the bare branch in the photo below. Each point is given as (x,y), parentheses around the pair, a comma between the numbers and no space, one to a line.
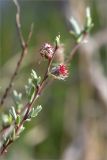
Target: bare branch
(24,46)
(76,47)
(18,24)
(30,33)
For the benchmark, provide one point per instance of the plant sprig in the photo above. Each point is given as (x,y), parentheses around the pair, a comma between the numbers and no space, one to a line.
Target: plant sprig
(13,122)
(33,91)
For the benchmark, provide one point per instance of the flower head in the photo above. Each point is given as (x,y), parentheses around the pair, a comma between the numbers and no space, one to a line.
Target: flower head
(47,51)
(60,71)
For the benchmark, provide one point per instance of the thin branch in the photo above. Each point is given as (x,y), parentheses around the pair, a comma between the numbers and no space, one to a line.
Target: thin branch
(18,24)
(28,106)
(30,33)
(75,49)
(24,46)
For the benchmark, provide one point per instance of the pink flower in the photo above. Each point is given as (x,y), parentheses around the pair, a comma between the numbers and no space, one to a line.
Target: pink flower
(60,71)
(47,51)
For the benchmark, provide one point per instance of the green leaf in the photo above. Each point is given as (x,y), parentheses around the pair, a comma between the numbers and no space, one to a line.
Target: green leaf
(30,81)
(17,97)
(10,118)
(28,119)
(88,16)
(57,40)
(13,113)
(35,111)
(75,26)
(19,107)
(6,120)
(73,34)
(80,37)
(33,82)
(33,74)
(89,24)
(18,120)
(38,80)
(35,79)
(31,94)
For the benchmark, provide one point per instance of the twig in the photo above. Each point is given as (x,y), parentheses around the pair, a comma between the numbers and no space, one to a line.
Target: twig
(28,106)
(75,49)
(18,24)
(30,33)
(24,46)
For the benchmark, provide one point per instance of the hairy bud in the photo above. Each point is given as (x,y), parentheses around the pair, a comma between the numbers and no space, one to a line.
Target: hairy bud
(47,51)
(60,71)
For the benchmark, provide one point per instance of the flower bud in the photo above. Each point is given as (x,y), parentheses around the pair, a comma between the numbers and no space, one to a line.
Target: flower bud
(60,71)
(47,51)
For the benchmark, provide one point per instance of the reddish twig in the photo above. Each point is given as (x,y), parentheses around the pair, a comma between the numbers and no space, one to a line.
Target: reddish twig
(75,49)
(28,107)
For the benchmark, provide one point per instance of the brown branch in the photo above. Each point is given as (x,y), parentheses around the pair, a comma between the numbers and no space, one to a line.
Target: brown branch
(24,46)
(5,146)
(75,49)
(30,33)
(18,24)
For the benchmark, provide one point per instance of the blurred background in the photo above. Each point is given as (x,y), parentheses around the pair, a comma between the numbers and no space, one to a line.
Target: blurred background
(73,122)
